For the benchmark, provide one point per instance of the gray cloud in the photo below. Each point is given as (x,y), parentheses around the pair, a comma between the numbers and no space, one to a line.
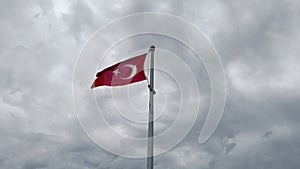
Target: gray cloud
(258,44)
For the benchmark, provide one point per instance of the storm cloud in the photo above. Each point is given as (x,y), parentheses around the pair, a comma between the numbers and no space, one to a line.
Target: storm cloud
(258,43)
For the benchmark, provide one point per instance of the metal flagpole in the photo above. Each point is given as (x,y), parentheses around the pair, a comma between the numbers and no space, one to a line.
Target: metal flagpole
(151,109)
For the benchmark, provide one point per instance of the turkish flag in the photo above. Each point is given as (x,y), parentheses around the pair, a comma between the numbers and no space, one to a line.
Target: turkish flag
(123,73)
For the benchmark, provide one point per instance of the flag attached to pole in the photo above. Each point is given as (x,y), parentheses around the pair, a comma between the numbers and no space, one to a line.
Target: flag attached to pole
(123,73)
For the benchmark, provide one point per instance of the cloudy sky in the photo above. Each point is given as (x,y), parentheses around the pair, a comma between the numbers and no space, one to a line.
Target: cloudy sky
(258,43)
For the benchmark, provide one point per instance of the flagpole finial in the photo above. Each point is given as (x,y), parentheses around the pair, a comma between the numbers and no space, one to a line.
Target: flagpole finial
(152,47)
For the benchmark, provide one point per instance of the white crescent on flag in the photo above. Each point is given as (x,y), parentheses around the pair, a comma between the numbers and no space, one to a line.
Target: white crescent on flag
(133,71)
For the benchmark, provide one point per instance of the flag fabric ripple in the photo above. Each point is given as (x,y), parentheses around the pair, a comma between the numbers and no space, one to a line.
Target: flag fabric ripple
(122,73)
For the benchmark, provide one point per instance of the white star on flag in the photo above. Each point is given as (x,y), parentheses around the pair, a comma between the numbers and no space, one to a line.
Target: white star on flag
(116,72)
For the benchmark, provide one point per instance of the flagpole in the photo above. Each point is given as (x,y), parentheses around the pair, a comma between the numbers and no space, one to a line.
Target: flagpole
(151,109)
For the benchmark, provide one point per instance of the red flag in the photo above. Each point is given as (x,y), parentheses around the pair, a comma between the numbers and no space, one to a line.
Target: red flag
(123,73)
